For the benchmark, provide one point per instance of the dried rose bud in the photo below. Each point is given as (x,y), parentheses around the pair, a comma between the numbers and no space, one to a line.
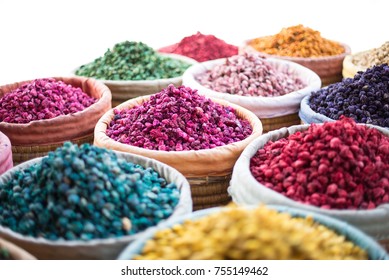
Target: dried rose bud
(178,119)
(42,99)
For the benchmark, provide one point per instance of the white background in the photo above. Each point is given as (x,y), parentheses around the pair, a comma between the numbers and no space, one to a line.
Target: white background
(51,38)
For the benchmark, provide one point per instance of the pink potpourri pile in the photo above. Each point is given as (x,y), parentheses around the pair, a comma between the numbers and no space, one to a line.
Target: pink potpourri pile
(178,119)
(42,99)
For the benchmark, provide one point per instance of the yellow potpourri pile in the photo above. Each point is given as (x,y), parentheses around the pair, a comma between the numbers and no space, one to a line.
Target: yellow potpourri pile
(239,234)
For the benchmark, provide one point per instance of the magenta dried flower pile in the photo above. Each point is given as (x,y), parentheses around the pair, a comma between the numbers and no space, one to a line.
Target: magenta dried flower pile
(249,74)
(337,165)
(42,99)
(178,119)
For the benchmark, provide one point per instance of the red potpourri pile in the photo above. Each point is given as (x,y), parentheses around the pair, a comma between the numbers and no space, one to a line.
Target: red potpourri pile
(337,165)
(202,47)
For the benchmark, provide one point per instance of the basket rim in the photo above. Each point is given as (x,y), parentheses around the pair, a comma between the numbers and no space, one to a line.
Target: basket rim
(15,251)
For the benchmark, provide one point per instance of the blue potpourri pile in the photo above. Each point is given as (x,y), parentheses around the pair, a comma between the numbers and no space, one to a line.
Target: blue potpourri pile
(365,98)
(83,193)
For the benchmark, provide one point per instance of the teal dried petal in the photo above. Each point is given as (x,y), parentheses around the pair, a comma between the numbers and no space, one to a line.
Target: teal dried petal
(82,193)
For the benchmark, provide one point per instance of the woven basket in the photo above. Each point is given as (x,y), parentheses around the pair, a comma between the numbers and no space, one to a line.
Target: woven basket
(210,191)
(270,124)
(274,112)
(126,90)
(208,171)
(25,153)
(351,233)
(16,253)
(107,248)
(329,68)
(6,161)
(246,190)
(37,138)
